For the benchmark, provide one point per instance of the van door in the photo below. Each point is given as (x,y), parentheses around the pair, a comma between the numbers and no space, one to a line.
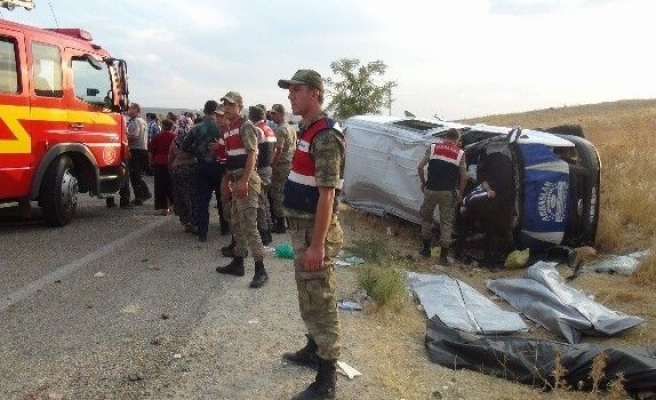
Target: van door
(48,114)
(16,163)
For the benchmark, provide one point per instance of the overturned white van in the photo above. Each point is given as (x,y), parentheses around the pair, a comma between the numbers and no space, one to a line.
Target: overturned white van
(555,176)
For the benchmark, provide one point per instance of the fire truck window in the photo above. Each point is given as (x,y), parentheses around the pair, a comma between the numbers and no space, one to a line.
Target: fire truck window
(46,70)
(91,82)
(8,67)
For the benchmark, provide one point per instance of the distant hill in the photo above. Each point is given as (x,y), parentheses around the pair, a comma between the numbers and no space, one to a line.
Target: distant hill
(162,111)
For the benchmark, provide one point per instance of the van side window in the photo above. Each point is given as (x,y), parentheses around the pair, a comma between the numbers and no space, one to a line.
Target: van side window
(91,81)
(8,67)
(46,70)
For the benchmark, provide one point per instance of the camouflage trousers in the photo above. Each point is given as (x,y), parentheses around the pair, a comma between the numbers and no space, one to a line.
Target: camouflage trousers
(446,200)
(317,300)
(280,174)
(264,222)
(243,220)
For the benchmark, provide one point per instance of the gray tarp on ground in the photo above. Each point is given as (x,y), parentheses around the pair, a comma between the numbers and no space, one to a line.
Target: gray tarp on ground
(460,306)
(544,298)
(533,361)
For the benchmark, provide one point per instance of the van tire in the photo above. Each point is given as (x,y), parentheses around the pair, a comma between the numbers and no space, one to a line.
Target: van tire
(59,192)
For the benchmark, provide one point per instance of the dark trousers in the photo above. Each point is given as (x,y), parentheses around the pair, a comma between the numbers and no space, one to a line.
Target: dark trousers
(163,187)
(138,163)
(208,175)
(124,190)
(225,225)
(494,218)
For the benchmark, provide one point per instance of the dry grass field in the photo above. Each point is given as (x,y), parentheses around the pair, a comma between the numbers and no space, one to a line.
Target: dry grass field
(622,132)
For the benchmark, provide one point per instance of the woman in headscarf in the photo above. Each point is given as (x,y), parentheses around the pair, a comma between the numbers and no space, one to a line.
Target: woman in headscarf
(182,166)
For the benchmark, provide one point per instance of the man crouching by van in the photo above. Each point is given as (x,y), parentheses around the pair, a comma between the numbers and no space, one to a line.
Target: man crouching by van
(447,176)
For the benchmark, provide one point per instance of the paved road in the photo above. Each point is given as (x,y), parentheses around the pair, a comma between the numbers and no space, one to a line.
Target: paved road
(159,323)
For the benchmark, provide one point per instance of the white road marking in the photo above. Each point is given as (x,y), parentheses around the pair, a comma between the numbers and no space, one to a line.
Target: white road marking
(29,289)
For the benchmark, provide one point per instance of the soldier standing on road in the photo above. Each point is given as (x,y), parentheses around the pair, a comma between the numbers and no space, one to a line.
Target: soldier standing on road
(311,202)
(197,142)
(447,176)
(138,163)
(241,143)
(266,145)
(282,163)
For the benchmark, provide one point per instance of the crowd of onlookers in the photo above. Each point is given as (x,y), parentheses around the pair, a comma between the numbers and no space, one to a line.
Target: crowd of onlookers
(156,149)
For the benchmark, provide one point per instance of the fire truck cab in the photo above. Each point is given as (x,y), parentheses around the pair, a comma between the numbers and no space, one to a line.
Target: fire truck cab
(62,131)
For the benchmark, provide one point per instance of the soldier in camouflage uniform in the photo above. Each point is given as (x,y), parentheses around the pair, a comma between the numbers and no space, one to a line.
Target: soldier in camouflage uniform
(241,144)
(311,203)
(447,176)
(282,163)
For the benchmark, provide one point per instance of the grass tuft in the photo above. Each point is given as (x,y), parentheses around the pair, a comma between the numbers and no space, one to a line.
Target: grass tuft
(374,250)
(645,274)
(384,284)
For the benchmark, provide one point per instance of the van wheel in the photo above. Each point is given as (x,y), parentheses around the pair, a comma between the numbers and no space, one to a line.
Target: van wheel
(59,192)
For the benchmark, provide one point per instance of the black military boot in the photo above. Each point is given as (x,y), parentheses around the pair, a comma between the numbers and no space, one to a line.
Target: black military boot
(444,256)
(228,251)
(307,356)
(260,277)
(279,225)
(236,267)
(426,250)
(266,237)
(323,387)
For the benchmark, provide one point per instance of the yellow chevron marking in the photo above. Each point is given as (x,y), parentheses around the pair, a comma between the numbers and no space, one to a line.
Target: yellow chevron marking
(22,142)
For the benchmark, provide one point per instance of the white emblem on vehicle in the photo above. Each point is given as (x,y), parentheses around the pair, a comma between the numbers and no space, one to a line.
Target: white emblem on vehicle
(552,201)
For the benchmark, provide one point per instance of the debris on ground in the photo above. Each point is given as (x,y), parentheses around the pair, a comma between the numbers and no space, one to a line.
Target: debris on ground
(346,370)
(284,251)
(623,264)
(347,260)
(517,259)
(348,305)
(360,300)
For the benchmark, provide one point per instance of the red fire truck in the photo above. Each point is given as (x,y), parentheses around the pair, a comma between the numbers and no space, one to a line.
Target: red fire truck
(62,131)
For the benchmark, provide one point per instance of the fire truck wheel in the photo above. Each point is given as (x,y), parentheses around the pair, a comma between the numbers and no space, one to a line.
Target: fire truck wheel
(59,191)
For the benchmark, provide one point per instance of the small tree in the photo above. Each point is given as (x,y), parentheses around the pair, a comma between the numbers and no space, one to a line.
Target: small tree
(358,93)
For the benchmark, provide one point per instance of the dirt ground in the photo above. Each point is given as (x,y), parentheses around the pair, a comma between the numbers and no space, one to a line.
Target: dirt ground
(389,345)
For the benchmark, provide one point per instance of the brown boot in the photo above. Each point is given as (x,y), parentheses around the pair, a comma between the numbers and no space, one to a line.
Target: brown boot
(323,387)
(307,356)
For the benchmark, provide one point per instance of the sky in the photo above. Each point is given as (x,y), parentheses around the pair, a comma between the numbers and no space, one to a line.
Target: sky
(456,59)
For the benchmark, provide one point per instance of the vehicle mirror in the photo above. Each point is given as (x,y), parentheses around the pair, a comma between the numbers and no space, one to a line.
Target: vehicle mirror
(93,62)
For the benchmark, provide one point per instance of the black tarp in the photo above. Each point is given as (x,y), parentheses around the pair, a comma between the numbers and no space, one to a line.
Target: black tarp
(532,361)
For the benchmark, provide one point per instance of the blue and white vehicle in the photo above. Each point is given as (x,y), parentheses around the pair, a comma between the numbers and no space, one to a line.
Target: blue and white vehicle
(556,177)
